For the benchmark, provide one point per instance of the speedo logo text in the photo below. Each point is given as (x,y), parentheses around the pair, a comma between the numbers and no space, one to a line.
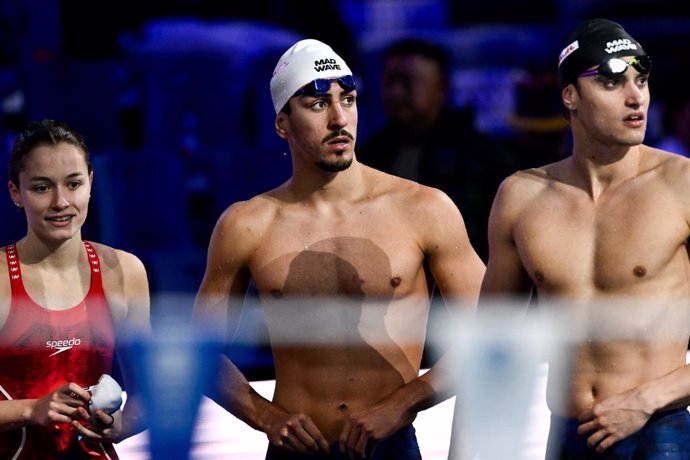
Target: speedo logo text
(326,64)
(62,345)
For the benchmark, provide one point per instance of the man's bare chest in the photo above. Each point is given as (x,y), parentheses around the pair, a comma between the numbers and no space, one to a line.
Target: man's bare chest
(353,260)
(629,238)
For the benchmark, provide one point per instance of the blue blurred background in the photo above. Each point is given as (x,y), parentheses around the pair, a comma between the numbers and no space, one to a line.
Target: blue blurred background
(172,96)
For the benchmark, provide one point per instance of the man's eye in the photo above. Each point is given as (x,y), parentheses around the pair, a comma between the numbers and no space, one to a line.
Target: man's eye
(318,104)
(611,82)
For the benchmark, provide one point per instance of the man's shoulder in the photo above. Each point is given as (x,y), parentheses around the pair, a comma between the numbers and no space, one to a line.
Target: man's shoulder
(672,168)
(404,190)
(255,207)
(531,179)
(522,187)
(664,157)
(251,214)
(409,202)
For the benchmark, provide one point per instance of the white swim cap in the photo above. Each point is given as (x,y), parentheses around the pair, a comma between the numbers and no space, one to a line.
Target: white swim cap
(304,62)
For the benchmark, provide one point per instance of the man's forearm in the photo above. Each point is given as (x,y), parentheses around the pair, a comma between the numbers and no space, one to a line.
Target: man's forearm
(236,395)
(667,392)
(425,391)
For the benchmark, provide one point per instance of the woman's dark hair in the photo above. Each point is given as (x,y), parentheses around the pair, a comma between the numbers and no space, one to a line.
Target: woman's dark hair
(41,133)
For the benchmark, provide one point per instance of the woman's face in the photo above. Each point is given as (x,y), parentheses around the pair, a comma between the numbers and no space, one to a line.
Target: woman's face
(54,190)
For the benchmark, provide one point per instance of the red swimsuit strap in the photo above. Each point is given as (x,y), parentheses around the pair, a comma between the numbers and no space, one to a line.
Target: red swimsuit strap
(15,271)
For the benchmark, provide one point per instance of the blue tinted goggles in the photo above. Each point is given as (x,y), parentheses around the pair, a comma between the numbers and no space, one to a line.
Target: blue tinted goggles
(321,86)
(617,66)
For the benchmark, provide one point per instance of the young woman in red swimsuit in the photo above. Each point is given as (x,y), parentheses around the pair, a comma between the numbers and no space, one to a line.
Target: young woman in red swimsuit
(63,303)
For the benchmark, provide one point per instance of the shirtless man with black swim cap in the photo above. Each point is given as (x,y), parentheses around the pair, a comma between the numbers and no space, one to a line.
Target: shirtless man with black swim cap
(605,230)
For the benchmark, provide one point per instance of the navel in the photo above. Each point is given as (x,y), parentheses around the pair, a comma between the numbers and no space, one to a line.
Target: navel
(395,281)
(639,271)
(539,276)
(277,294)
(343,407)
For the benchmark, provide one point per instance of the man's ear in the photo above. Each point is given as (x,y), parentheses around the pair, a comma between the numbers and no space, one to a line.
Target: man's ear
(282,124)
(570,97)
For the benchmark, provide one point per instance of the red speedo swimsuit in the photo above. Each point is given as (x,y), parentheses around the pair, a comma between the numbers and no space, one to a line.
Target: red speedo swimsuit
(42,349)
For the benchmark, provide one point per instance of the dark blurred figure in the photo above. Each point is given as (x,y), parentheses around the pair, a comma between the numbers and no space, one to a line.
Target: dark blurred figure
(539,127)
(426,140)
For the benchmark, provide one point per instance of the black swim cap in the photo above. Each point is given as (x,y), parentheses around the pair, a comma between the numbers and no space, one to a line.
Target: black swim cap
(591,43)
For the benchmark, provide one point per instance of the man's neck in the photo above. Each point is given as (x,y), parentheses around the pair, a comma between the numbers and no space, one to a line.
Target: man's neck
(322,186)
(602,167)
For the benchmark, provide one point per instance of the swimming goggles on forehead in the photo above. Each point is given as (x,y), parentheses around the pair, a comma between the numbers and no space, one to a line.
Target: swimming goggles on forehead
(615,67)
(321,86)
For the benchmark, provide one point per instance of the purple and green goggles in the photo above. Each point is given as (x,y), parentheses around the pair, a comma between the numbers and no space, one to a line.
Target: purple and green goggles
(615,67)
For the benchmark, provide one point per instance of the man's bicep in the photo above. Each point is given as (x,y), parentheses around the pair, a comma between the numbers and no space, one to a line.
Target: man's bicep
(221,292)
(458,272)
(454,264)
(503,279)
(505,273)
(225,280)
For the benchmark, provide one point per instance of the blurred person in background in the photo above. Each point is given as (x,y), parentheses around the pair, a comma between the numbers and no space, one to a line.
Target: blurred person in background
(539,128)
(426,140)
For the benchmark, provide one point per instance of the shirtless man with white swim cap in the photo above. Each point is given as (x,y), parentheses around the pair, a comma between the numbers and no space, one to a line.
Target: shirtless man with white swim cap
(365,247)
